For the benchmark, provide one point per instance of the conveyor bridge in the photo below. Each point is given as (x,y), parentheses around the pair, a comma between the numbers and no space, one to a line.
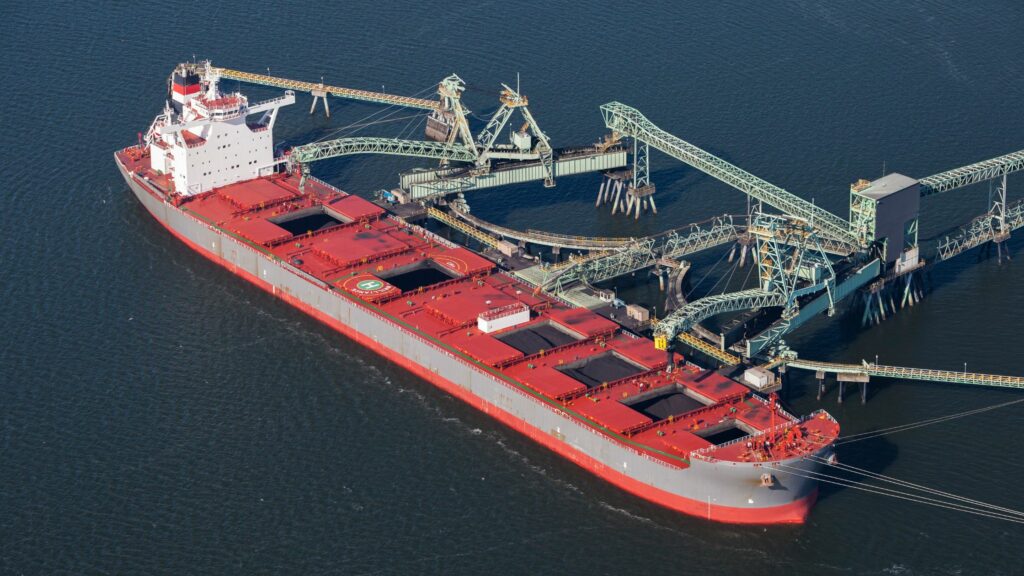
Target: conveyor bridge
(698,344)
(646,252)
(320,89)
(630,122)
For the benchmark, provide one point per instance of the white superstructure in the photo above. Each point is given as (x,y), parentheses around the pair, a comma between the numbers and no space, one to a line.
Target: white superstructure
(504,317)
(203,139)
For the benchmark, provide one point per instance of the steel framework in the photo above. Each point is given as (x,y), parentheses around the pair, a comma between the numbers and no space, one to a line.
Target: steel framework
(991,226)
(315,87)
(622,261)
(972,174)
(512,100)
(631,122)
(450,92)
(315,151)
(461,226)
(642,253)
(898,372)
(720,230)
(791,264)
(697,311)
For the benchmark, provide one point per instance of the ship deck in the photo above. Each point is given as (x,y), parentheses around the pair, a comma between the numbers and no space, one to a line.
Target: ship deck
(580,362)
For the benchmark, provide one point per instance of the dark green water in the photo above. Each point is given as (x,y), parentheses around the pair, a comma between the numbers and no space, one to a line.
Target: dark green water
(157,415)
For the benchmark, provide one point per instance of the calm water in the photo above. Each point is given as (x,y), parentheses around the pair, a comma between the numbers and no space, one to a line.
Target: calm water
(159,416)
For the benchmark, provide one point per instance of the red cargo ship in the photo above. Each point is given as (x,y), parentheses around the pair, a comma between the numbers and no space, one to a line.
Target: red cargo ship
(576,382)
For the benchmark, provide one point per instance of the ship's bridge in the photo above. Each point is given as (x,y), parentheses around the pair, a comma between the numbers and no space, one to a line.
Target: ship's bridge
(223,107)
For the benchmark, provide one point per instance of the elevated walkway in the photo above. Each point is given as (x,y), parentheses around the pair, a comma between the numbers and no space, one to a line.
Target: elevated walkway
(902,373)
(985,228)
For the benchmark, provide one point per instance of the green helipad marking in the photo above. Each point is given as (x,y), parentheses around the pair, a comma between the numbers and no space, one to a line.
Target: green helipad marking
(369,285)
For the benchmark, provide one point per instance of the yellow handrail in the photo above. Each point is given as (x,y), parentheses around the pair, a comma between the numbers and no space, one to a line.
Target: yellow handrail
(720,355)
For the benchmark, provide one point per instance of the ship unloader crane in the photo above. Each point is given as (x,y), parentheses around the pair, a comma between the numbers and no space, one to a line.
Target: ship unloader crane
(450,138)
(523,146)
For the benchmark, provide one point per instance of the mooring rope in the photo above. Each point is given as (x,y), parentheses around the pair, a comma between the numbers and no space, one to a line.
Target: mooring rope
(921,423)
(1014,515)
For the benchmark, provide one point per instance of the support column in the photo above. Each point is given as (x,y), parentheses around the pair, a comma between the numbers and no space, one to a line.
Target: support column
(320,95)
(855,377)
(820,375)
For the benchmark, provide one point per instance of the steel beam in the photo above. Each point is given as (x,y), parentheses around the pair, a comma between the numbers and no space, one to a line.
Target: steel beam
(972,174)
(643,253)
(631,122)
(987,227)
(902,373)
(311,87)
(697,311)
(315,151)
